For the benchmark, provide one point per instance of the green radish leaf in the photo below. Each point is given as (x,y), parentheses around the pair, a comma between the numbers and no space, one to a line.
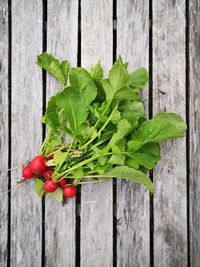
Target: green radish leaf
(118,75)
(97,72)
(118,79)
(65,69)
(161,127)
(39,187)
(105,117)
(123,128)
(116,117)
(59,157)
(90,165)
(126,93)
(131,174)
(117,159)
(132,111)
(52,65)
(75,108)
(130,162)
(78,173)
(57,195)
(83,84)
(51,118)
(147,156)
(107,87)
(139,78)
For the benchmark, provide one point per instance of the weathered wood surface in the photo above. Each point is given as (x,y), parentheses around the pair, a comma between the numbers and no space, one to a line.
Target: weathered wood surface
(60,220)
(133,233)
(26,216)
(133,210)
(170,207)
(3,130)
(194,82)
(96,200)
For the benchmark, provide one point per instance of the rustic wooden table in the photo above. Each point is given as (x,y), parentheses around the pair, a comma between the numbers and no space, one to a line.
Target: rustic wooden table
(116,223)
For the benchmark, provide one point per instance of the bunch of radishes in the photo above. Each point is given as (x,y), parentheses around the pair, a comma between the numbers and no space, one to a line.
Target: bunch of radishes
(37,167)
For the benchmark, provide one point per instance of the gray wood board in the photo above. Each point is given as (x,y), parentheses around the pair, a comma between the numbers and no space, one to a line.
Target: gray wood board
(26,212)
(132,200)
(170,207)
(194,118)
(3,130)
(96,200)
(62,32)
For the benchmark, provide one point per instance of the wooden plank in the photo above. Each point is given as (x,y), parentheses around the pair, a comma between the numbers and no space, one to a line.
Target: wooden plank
(62,30)
(170,221)
(133,200)
(26,214)
(194,118)
(3,130)
(96,200)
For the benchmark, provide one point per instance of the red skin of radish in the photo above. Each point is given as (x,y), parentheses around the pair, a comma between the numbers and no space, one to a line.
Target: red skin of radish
(50,186)
(62,182)
(47,173)
(38,164)
(27,173)
(69,191)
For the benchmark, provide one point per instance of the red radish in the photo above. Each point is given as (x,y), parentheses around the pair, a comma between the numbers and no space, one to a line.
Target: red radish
(62,182)
(27,172)
(38,164)
(50,186)
(47,173)
(69,191)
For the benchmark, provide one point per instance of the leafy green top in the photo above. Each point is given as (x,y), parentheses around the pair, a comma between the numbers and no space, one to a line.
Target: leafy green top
(105,119)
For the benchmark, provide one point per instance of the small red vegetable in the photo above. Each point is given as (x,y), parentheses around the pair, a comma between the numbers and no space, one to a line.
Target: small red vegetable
(47,173)
(38,164)
(50,186)
(69,191)
(62,182)
(27,172)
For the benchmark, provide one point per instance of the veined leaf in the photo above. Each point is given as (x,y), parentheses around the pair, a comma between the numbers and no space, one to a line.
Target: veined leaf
(117,159)
(118,78)
(59,157)
(83,83)
(76,110)
(130,162)
(118,75)
(147,156)
(65,69)
(78,173)
(57,195)
(139,78)
(97,72)
(39,187)
(131,174)
(52,65)
(126,93)
(123,128)
(132,111)
(161,127)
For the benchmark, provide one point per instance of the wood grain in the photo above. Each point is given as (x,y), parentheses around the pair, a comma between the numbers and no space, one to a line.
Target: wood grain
(3,130)
(194,118)
(62,32)
(96,200)
(26,219)
(170,221)
(133,200)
